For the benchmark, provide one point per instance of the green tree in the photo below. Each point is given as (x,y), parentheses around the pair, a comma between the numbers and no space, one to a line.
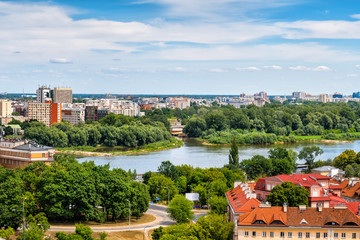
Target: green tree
(256,167)
(159,186)
(309,154)
(195,127)
(345,158)
(234,154)
(288,193)
(168,169)
(180,209)
(281,166)
(218,205)
(214,227)
(7,233)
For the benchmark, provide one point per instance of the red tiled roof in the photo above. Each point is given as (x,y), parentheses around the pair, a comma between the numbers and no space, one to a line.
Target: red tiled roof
(351,191)
(319,199)
(239,202)
(335,187)
(267,214)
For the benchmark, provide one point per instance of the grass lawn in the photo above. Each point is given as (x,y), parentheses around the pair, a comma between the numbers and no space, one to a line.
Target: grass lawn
(304,138)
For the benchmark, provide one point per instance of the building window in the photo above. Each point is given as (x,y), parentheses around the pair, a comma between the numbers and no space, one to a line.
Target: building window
(271,234)
(353,235)
(282,234)
(307,235)
(325,234)
(299,234)
(343,235)
(336,235)
(254,234)
(264,234)
(317,235)
(246,233)
(289,234)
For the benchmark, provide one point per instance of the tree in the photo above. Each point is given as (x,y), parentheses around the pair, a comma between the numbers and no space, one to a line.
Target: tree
(282,153)
(234,154)
(159,186)
(345,158)
(309,154)
(195,127)
(288,193)
(15,114)
(256,166)
(213,227)
(180,209)
(7,233)
(281,166)
(218,205)
(36,227)
(168,169)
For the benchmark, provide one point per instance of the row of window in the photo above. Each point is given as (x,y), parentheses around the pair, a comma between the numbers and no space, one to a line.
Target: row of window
(16,154)
(12,162)
(300,234)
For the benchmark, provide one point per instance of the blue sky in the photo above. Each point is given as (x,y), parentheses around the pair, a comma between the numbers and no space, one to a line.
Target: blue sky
(181,47)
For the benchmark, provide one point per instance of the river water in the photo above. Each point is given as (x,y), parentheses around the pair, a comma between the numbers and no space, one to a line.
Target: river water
(199,155)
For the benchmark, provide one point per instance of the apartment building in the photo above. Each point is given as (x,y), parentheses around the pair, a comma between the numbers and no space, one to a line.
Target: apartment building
(5,108)
(62,95)
(47,113)
(16,153)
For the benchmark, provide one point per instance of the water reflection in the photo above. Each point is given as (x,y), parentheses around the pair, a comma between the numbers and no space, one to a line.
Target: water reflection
(198,155)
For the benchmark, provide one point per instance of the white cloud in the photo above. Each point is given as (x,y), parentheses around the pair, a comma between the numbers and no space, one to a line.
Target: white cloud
(316,69)
(356,16)
(321,69)
(310,52)
(273,67)
(218,70)
(357,66)
(180,69)
(60,61)
(248,69)
(351,75)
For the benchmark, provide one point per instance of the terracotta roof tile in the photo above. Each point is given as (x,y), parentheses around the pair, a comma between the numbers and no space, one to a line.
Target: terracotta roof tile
(266,214)
(239,202)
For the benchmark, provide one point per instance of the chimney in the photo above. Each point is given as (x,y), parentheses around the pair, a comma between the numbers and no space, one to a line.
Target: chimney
(302,207)
(285,207)
(319,207)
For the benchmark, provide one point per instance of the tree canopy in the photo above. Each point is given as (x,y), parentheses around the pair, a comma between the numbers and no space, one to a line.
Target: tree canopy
(288,193)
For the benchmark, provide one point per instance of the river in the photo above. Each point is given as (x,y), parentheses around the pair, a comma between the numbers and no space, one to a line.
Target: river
(199,155)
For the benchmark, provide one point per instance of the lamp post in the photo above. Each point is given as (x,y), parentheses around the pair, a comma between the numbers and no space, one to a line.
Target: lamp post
(168,195)
(129,212)
(208,199)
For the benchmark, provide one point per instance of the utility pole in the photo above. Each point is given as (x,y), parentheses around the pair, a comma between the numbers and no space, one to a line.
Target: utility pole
(168,196)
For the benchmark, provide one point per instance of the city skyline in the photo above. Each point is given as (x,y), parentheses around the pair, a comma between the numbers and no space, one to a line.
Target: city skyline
(181,47)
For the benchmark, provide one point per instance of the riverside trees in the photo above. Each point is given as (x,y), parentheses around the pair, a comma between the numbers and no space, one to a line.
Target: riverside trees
(69,191)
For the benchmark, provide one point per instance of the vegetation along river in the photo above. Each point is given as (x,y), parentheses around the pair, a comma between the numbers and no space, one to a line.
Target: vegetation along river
(199,155)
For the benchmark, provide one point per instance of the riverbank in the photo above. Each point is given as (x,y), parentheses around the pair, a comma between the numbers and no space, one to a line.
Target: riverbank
(101,151)
(297,139)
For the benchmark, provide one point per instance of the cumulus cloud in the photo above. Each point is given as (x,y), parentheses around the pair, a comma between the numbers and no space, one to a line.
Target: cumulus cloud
(273,67)
(248,69)
(357,66)
(180,69)
(356,16)
(60,61)
(352,75)
(316,69)
(218,70)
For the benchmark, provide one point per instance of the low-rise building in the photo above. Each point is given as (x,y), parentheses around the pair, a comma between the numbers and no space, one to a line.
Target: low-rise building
(20,153)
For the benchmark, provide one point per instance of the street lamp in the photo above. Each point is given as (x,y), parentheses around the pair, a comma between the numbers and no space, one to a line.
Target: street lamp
(168,195)
(208,206)
(129,212)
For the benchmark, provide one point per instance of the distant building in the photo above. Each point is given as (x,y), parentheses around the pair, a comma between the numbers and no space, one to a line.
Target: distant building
(63,95)
(20,153)
(299,95)
(329,171)
(356,95)
(6,120)
(177,102)
(323,98)
(337,95)
(101,113)
(73,116)
(43,94)
(47,113)
(5,108)
(91,113)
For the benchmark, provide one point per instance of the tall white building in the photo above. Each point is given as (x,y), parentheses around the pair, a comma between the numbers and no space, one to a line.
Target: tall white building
(43,94)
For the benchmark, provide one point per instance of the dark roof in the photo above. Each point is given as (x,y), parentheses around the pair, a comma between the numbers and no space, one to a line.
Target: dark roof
(33,147)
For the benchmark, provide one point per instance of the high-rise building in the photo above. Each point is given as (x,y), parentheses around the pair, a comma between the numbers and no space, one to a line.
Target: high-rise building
(63,95)
(299,95)
(43,94)
(323,98)
(47,113)
(356,95)
(5,108)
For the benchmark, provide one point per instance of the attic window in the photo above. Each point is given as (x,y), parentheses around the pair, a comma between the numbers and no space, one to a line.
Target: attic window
(332,224)
(277,222)
(303,221)
(350,224)
(259,222)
